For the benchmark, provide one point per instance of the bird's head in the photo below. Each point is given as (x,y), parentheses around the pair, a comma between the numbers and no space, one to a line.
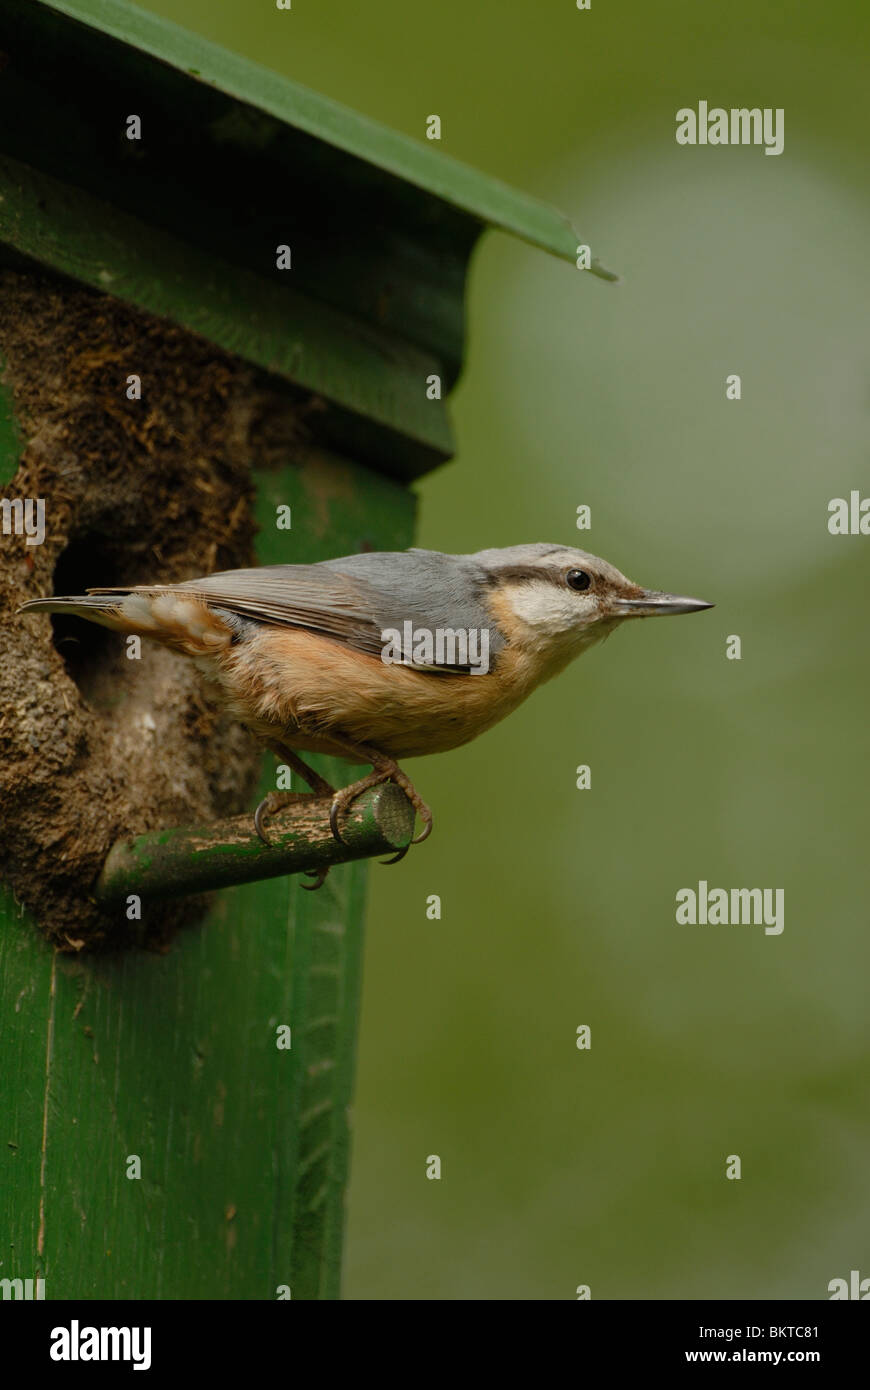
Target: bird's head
(556,601)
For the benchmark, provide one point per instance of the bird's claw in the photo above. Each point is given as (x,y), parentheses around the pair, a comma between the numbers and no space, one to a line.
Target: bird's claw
(272,802)
(394,859)
(333,820)
(426,831)
(319,875)
(344,798)
(260,815)
(341,802)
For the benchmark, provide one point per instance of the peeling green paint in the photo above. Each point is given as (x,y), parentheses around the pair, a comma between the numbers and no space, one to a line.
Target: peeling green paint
(196,860)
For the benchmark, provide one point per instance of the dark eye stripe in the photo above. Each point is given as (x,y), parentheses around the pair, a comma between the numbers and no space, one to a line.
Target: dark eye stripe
(518,573)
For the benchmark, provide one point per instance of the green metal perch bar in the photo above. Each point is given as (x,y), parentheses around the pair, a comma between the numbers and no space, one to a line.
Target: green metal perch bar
(168,863)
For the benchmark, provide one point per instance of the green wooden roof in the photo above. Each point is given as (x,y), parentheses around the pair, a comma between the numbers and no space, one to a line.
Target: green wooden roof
(235,160)
(416,162)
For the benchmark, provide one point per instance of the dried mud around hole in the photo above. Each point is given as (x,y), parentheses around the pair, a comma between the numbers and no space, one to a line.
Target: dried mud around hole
(95,746)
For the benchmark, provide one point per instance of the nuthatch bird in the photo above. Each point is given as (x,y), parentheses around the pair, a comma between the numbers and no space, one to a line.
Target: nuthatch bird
(384,655)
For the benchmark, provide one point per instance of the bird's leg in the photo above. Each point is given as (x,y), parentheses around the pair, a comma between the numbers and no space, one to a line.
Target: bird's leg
(275,801)
(318,784)
(384,769)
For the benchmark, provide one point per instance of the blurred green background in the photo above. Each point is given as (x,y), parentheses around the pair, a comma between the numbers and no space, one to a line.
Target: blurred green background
(607,1167)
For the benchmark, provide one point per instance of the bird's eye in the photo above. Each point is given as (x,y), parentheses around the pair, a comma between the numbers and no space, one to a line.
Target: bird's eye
(578,579)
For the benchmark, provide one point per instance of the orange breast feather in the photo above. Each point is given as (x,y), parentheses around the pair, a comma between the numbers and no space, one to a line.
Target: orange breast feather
(295,687)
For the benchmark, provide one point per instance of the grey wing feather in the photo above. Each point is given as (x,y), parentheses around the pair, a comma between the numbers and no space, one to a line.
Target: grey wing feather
(354,599)
(297,596)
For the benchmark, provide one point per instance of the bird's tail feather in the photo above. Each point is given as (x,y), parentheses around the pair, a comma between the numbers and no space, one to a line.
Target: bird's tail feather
(170,614)
(98,608)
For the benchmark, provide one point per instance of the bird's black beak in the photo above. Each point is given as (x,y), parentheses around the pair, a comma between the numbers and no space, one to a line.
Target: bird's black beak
(650,603)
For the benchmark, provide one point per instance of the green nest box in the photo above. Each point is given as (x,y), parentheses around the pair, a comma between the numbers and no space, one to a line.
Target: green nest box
(283,279)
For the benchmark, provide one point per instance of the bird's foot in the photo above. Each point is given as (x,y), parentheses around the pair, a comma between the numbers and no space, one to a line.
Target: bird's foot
(385,770)
(272,802)
(276,801)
